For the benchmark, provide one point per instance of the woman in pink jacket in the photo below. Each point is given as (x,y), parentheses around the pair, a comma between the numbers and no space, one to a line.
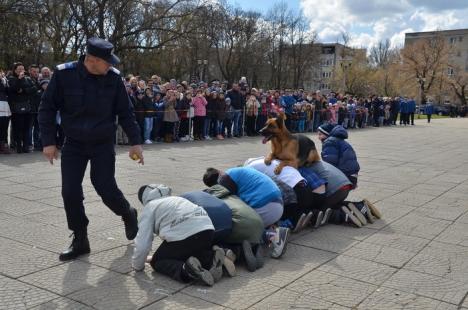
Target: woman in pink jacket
(199,106)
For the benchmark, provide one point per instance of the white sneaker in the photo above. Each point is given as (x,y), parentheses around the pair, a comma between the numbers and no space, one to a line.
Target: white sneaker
(148,142)
(184,139)
(208,138)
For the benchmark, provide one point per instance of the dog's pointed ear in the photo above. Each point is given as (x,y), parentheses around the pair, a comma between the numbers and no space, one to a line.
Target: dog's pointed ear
(280,120)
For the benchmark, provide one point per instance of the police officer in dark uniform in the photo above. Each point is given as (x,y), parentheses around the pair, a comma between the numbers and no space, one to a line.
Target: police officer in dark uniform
(89,94)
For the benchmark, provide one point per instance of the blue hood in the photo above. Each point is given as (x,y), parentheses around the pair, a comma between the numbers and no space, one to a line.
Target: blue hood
(339,132)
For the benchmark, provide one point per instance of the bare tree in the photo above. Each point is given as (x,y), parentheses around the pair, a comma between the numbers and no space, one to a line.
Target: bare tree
(425,61)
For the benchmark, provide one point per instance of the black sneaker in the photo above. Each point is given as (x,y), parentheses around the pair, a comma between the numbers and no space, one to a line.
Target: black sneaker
(356,212)
(348,217)
(131,223)
(195,271)
(78,247)
(300,223)
(361,206)
(249,256)
(259,256)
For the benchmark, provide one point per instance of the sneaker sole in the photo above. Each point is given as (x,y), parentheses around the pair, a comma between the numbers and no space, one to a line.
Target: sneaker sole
(351,217)
(319,219)
(307,219)
(326,217)
(250,259)
(300,223)
(370,218)
(357,213)
(375,212)
(203,275)
(286,240)
(229,267)
(218,260)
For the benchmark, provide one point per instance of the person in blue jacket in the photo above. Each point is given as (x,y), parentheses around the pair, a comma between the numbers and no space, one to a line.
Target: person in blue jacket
(411,110)
(338,152)
(403,112)
(429,110)
(287,103)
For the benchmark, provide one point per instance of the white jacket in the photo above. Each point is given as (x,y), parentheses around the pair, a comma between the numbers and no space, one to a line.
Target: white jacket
(171,218)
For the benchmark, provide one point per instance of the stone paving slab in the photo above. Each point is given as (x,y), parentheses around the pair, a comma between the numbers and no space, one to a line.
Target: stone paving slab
(427,285)
(359,269)
(333,288)
(414,258)
(182,301)
(17,295)
(62,303)
(440,259)
(385,298)
(236,293)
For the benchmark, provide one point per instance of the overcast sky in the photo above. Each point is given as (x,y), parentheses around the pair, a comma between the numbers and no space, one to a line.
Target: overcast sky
(369,21)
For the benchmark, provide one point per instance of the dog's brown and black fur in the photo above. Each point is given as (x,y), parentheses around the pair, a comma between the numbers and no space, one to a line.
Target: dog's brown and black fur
(293,150)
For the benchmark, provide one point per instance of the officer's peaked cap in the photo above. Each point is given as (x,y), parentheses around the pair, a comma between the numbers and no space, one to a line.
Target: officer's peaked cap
(103,49)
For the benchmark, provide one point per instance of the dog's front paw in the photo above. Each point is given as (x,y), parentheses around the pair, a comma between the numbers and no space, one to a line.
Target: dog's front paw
(278,170)
(267,161)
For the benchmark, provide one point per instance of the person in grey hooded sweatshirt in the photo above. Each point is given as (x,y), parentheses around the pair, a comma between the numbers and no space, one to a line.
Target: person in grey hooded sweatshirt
(187,232)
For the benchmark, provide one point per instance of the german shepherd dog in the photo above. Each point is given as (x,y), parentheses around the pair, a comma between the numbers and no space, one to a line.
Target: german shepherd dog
(293,150)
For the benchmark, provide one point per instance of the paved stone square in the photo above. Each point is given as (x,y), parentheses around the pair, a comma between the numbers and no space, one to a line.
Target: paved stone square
(415,258)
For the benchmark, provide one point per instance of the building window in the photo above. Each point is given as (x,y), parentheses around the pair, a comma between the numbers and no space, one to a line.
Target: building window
(460,39)
(453,40)
(450,71)
(326,75)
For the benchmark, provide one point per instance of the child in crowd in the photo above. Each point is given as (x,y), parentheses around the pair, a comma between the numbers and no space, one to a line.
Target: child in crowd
(229,117)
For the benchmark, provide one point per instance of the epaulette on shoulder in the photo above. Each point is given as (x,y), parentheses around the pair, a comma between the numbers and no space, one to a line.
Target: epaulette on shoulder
(116,71)
(67,65)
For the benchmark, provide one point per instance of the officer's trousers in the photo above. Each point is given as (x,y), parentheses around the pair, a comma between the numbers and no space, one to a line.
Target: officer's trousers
(75,158)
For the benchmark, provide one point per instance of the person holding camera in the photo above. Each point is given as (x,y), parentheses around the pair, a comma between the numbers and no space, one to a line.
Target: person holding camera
(20,94)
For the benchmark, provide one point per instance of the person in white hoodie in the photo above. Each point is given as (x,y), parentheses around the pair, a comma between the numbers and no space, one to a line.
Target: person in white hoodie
(186,253)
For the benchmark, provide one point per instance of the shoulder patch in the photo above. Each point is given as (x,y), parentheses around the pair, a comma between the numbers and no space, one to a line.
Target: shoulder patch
(113,69)
(67,65)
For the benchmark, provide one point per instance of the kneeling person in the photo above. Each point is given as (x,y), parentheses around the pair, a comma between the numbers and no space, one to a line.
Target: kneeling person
(187,233)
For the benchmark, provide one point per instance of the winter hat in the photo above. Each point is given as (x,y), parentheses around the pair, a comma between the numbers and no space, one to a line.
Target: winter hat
(44,82)
(326,129)
(150,192)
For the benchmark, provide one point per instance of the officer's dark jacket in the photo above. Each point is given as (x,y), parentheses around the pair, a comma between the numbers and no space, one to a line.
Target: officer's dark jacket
(87,104)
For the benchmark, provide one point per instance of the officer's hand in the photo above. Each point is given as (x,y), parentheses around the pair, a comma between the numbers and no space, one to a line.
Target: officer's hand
(136,153)
(51,153)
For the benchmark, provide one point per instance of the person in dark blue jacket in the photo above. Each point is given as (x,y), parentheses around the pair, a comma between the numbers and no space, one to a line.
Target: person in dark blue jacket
(338,152)
(404,112)
(429,111)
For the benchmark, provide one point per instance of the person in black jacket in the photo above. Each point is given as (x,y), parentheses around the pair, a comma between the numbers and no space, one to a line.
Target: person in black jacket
(89,94)
(20,95)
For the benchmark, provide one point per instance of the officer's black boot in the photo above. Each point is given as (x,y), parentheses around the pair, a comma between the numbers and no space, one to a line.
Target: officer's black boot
(79,246)
(131,223)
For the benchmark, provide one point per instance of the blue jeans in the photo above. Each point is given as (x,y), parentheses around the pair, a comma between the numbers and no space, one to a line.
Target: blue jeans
(237,130)
(148,128)
(219,127)
(206,126)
